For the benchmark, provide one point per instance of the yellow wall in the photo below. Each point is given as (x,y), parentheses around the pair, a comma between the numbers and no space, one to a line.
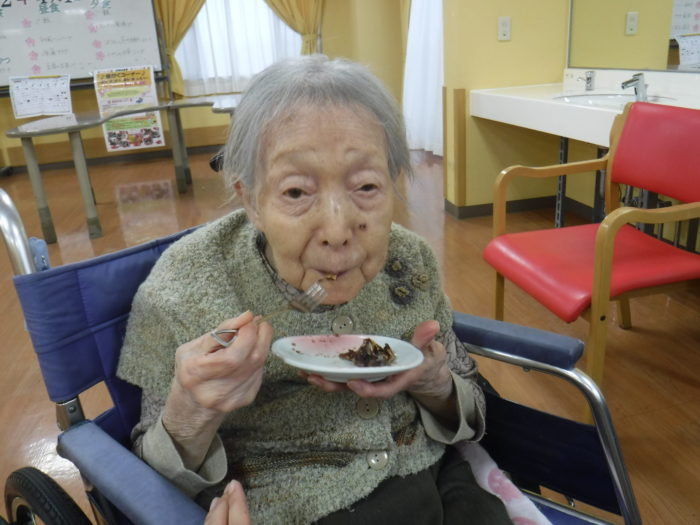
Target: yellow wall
(475,59)
(598,34)
(371,32)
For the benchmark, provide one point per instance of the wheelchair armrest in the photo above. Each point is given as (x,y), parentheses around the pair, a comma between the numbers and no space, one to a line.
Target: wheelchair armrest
(522,341)
(138,491)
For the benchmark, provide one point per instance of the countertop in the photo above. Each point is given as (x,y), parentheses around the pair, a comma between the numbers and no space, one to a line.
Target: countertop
(535,107)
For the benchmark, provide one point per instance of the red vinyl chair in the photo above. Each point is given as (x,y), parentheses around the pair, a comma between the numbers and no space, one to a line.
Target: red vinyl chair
(577,270)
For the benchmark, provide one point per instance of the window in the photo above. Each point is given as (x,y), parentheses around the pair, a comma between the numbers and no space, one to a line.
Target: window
(229,42)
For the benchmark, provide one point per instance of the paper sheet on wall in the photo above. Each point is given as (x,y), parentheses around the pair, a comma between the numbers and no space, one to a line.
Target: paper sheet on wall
(689,51)
(129,88)
(686,17)
(43,95)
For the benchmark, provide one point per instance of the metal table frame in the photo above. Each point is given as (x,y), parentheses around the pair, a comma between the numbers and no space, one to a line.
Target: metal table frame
(57,125)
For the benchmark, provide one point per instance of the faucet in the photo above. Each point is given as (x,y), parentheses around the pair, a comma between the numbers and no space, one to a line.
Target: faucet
(640,88)
(589,79)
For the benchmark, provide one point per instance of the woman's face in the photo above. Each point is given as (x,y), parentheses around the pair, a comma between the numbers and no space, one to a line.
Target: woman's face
(324,199)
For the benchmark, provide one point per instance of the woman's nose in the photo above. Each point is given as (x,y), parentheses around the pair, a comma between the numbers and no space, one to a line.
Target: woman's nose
(336,221)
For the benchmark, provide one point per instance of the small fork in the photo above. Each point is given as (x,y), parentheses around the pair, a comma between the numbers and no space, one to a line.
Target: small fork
(306,301)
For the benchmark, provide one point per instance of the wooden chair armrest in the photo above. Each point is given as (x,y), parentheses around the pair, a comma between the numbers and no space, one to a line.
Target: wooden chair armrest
(630,215)
(605,237)
(504,178)
(605,241)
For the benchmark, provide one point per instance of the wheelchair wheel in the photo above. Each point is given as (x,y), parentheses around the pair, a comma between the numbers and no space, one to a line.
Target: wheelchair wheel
(33,497)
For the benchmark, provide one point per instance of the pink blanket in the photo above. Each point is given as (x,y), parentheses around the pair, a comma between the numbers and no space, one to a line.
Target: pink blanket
(492,479)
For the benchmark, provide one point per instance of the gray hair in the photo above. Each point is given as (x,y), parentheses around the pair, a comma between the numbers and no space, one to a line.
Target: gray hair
(289,84)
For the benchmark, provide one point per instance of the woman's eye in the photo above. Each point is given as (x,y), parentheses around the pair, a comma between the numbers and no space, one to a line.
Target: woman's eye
(368,187)
(294,193)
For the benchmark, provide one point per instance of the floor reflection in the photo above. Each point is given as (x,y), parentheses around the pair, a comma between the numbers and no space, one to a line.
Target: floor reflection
(146,209)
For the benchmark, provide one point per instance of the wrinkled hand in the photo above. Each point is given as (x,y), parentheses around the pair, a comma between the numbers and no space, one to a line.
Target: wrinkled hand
(211,381)
(222,379)
(430,380)
(230,509)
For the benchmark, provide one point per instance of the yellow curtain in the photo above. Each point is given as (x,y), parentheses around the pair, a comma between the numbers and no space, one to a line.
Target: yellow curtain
(176,17)
(304,17)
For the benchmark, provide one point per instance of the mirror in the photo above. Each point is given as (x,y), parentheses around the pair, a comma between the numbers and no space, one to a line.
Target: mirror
(599,33)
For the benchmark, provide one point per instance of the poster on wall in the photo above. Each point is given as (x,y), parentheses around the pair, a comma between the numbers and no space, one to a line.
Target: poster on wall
(129,89)
(689,51)
(40,95)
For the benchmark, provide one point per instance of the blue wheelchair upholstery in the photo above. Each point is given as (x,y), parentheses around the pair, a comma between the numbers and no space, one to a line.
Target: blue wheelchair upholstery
(544,347)
(76,315)
(137,492)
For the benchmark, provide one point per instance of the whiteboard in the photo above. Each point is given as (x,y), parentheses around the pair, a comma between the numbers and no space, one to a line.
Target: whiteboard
(75,37)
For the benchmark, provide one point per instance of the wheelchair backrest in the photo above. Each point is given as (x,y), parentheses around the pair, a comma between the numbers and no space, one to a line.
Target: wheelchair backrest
(76,316)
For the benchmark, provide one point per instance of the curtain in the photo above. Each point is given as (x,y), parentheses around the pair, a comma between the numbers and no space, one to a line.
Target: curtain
(304,16)
(423,77)
(176,16)
(229,42)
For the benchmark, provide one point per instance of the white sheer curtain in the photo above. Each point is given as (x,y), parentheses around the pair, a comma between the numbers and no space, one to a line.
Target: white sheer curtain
(423,77)
(229,42)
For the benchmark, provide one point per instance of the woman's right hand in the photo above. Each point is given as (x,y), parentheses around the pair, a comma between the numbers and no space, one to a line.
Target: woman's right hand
(211,381)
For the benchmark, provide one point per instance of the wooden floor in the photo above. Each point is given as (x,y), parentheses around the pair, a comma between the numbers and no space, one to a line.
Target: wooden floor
(651,380)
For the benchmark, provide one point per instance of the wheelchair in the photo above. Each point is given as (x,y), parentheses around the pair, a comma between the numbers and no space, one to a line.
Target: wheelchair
(76,316)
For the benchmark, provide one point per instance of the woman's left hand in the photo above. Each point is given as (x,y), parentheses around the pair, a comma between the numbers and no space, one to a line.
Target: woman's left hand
(230,508)
(430,383)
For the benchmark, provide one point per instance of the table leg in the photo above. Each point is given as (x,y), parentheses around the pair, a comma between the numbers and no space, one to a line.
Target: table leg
(692,236)
(177,149)
(183,147)
(42,206)
(93,222)
(561,184)
(599,196)
(649,200)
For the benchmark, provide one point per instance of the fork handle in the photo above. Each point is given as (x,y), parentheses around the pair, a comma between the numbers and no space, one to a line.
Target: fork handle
(272,314)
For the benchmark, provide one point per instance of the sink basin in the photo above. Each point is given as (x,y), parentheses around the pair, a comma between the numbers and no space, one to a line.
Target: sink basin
(607,100)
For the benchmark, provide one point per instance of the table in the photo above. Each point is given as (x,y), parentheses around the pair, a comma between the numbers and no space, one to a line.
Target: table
(74,123)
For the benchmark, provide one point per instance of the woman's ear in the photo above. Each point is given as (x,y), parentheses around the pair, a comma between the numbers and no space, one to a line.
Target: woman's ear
(248,200)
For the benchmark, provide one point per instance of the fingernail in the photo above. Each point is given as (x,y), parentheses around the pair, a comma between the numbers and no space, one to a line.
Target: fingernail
(214,503)
(229,487)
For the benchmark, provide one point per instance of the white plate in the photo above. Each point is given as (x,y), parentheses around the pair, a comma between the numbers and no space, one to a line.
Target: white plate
(318,354)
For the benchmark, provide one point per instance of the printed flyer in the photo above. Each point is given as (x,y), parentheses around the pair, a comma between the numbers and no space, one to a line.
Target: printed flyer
(129,89)
(44,95)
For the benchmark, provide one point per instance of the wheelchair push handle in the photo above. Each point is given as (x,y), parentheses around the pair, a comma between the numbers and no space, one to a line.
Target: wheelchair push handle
(15,237)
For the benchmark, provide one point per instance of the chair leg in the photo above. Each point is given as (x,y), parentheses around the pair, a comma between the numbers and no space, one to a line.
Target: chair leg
(498,297)
(595,348)
(595,356)
(623,310)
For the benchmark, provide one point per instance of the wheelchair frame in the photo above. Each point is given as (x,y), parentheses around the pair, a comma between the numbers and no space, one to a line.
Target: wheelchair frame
(145,497)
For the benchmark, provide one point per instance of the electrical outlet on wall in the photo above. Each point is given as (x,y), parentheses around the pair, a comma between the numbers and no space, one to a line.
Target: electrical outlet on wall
(503,28)
(631,22)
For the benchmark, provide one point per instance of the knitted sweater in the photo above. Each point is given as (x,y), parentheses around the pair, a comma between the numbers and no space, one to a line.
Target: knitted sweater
(301,453)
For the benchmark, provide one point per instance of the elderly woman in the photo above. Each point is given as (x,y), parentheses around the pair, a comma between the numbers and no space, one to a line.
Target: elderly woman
(313,154)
